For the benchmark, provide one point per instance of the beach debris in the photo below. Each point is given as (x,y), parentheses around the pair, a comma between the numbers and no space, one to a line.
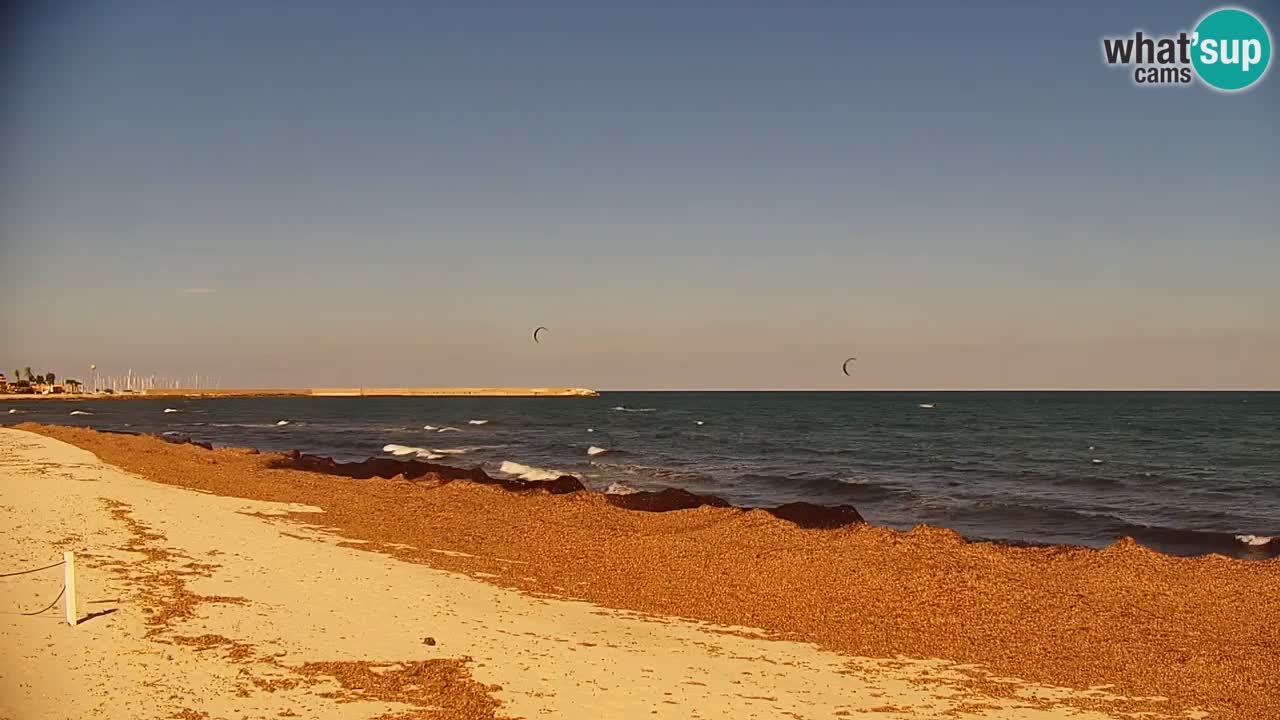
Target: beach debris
(664,500)
(428,640)
(845,367)
(809,515)
(1254,540)
(179,438)
(477,422)
(537,330)
(282,423)
(80,412)
(594,450)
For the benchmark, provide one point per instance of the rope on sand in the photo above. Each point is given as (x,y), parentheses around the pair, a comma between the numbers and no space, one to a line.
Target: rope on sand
(50,606)
(61,592)
(60,563)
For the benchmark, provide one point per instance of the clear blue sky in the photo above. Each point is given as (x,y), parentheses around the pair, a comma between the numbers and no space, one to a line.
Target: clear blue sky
(688,195)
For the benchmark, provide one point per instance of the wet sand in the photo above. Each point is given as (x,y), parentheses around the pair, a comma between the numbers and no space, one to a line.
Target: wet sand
(919,611)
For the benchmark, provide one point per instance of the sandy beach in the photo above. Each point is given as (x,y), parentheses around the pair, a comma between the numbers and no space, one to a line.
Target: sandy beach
(226,584)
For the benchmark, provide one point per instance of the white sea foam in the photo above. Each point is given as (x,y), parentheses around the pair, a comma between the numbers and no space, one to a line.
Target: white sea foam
(588,429)
(621,408)
(402,450)
(448,429)
(594,450)
(430,427)
(281,423)
(698,422)
(449,451)
(171,410)
(13,411)
(528,472)
(477,422)
(1254,540)
(928,406)
(1097,461)
(80,412)
(428,455)
(619,489)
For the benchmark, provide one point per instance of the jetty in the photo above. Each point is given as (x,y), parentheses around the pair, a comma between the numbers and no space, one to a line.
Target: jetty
(372,392)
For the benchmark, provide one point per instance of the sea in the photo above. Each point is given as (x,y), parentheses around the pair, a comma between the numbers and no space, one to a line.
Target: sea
(1186,473)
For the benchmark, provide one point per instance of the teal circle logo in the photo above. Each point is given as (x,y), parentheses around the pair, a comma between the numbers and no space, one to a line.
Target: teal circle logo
(1231,49)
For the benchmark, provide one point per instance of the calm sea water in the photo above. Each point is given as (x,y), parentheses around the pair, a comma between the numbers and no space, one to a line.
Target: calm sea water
(1182,472)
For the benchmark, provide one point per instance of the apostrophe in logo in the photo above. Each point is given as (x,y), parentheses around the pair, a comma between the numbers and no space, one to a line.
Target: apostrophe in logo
(1229,50)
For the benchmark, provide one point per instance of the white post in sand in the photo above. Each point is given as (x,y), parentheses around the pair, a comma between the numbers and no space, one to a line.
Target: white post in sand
(69,586)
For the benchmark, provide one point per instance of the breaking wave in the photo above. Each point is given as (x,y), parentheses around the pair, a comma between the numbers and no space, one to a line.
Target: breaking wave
(401,451)
(528,472)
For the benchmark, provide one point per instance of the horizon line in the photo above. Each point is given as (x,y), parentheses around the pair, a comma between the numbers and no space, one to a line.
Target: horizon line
(946,390)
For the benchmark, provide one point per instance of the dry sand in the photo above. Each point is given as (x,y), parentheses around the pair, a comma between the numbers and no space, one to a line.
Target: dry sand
(235,607)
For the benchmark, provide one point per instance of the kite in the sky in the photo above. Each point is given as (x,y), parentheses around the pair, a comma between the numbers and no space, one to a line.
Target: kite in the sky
(538,330)
(845,366)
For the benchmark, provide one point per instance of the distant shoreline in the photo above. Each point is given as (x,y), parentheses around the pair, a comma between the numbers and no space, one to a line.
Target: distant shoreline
(578,392)
(957,391)
(317,392)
